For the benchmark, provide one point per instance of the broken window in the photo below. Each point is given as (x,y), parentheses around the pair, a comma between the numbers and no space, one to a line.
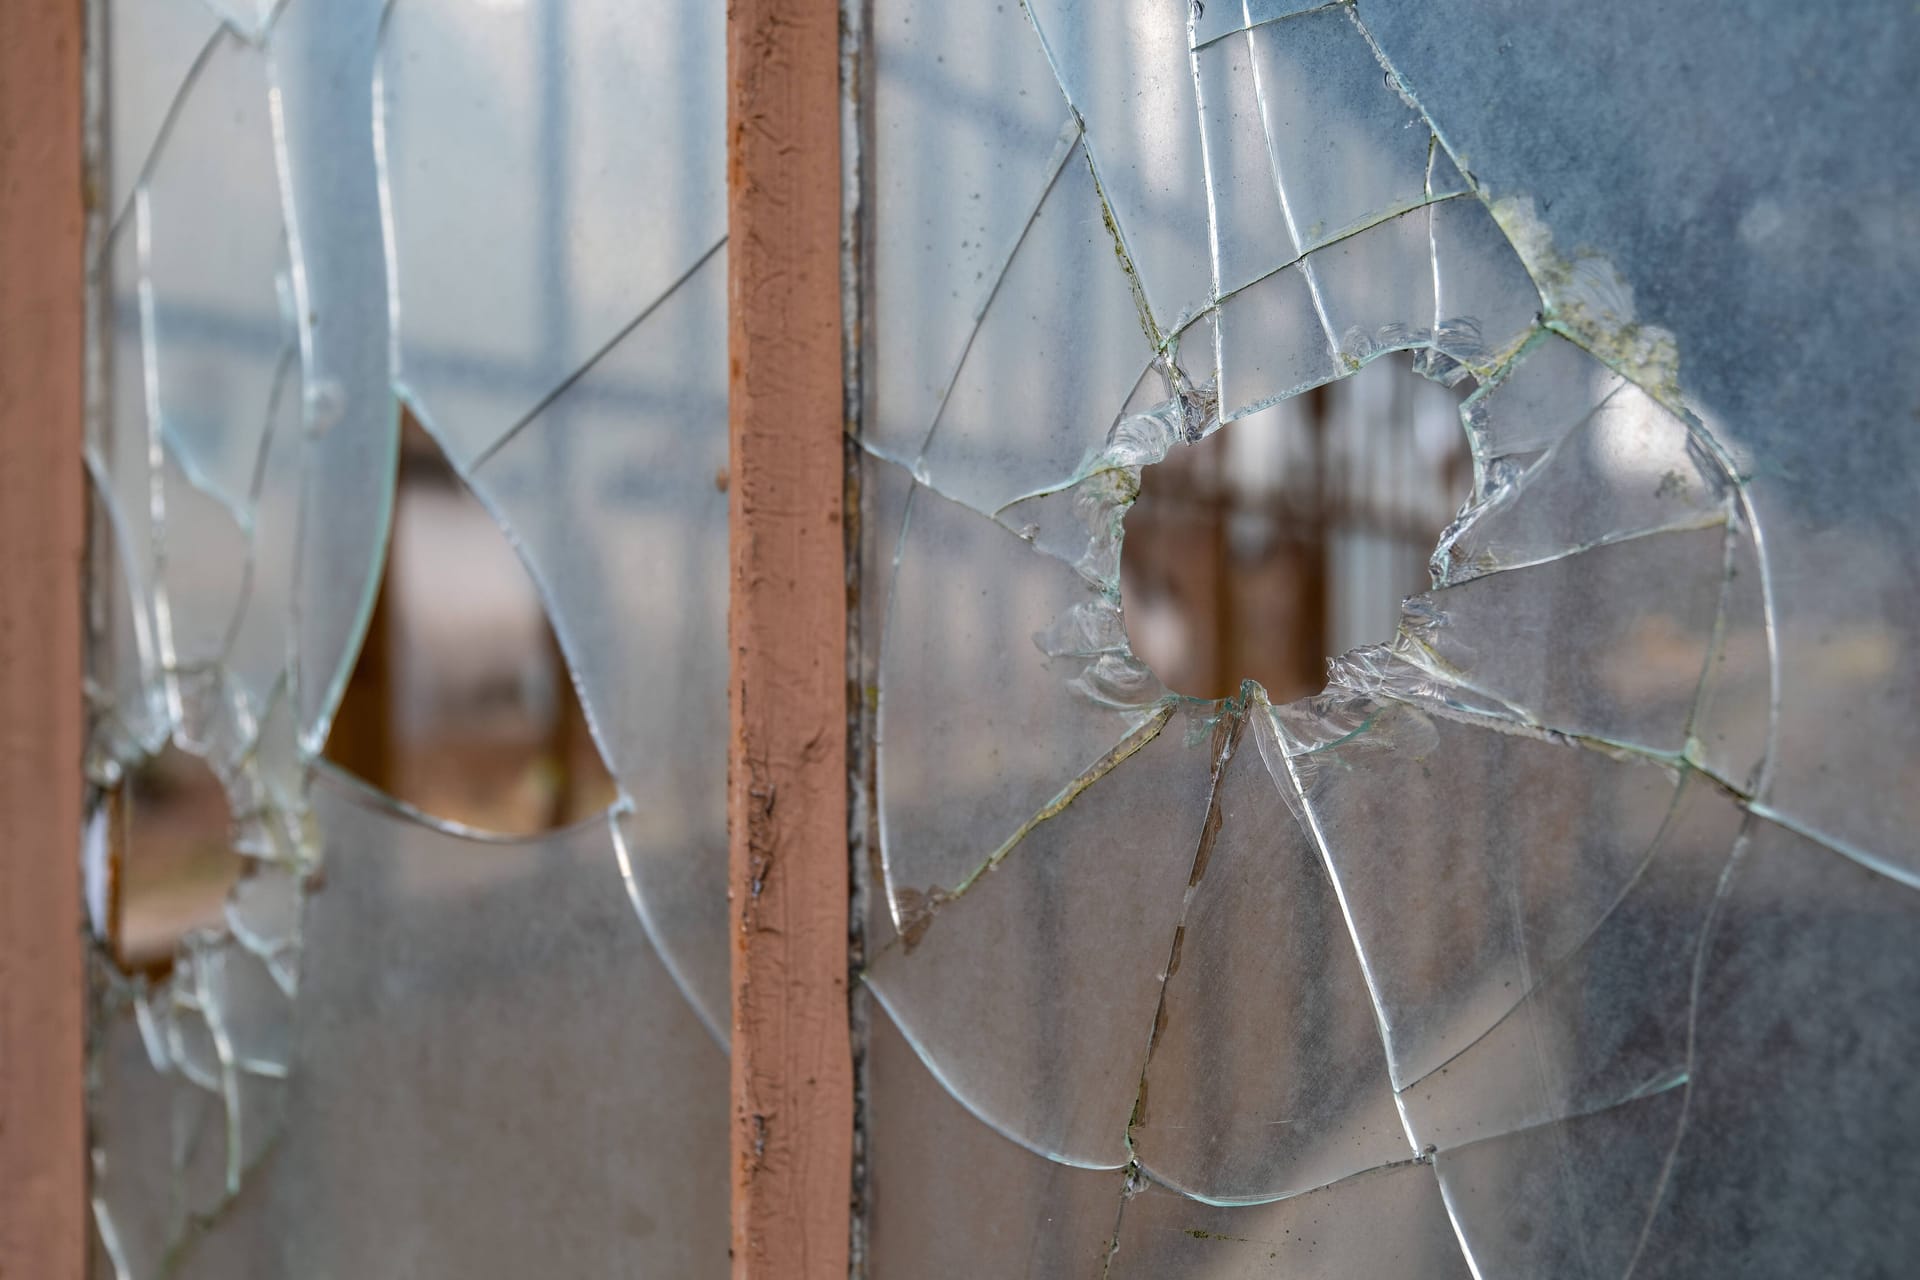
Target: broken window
(399,658)
(1438,948)
(1382,582)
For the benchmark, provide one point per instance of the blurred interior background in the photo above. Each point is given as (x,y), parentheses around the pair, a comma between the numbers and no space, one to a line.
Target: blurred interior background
(1292,536)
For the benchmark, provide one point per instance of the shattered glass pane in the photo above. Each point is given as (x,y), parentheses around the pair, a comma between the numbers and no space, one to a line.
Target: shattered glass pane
(1556,920)
(1563,924)
(400,1043)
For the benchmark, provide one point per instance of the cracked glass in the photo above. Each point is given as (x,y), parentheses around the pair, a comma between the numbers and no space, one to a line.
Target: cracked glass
(1384,592)
(1562,922)
(449,278)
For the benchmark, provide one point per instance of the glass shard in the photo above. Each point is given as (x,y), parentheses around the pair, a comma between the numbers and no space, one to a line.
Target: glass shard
(1273,342)
(1376,286)
(1125,70)
(1485,304)
(987,727)
(513,182)
(1623,631)
(1056,352)
(1267,1076)
(331,199)
(1064,941)
(970,133)
(1347,149)
(152,55)
(1454,926)
(1250,225)
(218,271)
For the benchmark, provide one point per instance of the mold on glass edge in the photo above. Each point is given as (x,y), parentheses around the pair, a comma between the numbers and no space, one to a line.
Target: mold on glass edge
(311,229)
(1413,938)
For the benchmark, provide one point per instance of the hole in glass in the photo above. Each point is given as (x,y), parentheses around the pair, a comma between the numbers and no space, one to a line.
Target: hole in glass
(1293,534)
(461,704)
(172,856)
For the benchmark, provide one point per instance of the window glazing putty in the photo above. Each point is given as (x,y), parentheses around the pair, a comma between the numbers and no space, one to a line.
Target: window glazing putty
(412,1048)
(1571,931)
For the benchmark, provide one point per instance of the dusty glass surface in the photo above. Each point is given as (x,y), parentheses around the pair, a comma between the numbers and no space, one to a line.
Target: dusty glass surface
(401,1044)
(1567,926)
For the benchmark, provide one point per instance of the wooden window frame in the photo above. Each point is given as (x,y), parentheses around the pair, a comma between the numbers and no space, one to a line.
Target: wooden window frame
(792,1064)
(43,1141)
